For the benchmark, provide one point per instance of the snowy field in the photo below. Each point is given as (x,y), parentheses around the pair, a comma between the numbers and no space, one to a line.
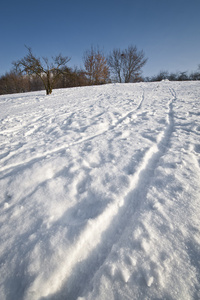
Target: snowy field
(100,193)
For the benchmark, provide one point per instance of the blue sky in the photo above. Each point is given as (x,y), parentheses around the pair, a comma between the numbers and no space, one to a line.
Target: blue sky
(168,31)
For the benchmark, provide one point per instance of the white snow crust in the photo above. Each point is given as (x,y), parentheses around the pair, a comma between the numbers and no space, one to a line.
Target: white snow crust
(100,193)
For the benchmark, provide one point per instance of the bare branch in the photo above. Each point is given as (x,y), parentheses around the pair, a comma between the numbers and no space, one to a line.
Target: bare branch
(126,65)
(96,66)
(48,72)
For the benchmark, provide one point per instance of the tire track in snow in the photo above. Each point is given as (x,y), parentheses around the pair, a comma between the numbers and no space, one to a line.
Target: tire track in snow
(98,237)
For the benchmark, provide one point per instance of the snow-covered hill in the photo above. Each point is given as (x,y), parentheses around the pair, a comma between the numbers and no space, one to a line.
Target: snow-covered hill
(100,193)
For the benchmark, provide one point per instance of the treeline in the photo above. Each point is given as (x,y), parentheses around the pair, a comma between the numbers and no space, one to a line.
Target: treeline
(32,73)
(17,82)
(178,76)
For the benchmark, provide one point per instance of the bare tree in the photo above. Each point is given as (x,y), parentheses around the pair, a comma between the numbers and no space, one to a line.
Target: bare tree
(96,66)
(127,65)
(115,63)
(48,71)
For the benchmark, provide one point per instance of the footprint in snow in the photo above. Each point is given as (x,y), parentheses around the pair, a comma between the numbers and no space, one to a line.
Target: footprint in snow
(120,273)
(83,185)
(87,147)
(148,276)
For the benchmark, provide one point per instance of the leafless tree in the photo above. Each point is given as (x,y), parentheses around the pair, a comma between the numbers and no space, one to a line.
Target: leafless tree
(127,65)
(48,71)
(96,66)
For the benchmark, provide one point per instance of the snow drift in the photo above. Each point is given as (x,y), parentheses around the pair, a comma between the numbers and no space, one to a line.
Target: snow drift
(100,193)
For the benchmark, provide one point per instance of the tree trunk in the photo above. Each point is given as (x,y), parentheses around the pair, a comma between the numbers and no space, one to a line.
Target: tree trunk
(48,87)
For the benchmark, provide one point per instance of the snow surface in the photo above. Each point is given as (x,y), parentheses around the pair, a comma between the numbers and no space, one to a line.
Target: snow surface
(100,193)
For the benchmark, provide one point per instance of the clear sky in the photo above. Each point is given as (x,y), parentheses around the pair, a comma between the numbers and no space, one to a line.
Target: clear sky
(168,31)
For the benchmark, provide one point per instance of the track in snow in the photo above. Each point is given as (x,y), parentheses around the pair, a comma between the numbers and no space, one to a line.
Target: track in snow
(102,233)
(38,157)
(94,196)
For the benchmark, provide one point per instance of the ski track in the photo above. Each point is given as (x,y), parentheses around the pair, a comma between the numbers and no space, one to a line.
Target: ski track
(104,231)
(98,234)
(58,149)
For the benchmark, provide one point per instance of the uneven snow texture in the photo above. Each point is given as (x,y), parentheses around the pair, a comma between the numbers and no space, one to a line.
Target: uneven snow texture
(100,193)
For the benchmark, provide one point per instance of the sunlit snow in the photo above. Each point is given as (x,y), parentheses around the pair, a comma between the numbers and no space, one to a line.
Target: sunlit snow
(100,193)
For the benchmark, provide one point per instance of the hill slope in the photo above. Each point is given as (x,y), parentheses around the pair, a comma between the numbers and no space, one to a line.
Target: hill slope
(100,193)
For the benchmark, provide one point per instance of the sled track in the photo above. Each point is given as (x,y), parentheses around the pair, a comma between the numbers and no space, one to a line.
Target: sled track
(38,157)
(100,234)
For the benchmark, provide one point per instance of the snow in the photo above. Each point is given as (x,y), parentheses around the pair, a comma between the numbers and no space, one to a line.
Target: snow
(100,193)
